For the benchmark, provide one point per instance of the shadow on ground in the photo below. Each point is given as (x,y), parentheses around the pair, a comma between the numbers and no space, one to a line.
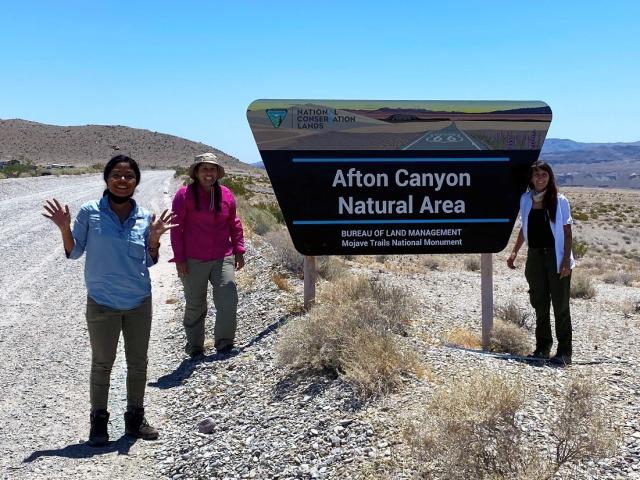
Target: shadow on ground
(84,450)
(188,365)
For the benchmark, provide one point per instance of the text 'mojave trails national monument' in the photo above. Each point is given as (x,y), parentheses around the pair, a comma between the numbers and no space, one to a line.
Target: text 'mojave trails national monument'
(392,177)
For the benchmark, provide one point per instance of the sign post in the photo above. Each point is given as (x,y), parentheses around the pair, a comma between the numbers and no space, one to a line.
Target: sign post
(357,177)
(309,273)
(486,293)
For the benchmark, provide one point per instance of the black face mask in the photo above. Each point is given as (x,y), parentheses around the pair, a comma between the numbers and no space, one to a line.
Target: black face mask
(118,200)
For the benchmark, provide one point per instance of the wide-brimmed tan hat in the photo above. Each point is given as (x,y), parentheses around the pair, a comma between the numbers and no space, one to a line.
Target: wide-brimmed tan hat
(206,158)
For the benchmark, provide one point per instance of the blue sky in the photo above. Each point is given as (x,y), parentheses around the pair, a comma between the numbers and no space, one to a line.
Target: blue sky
(191,69)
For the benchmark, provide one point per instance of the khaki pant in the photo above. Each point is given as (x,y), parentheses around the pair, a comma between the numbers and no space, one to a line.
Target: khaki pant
(547,288)
(221,275)
(104,326)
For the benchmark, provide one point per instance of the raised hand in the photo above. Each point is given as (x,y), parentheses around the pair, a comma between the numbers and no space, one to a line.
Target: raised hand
(61,217)
(161,225)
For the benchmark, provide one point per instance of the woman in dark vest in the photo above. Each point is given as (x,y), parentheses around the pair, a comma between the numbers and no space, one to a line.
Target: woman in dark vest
(546,229)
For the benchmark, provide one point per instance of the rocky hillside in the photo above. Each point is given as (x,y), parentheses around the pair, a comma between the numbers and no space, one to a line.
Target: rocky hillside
(89,144)
(594,164)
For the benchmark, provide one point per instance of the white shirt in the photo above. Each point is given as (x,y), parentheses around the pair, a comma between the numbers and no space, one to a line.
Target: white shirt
(563,217)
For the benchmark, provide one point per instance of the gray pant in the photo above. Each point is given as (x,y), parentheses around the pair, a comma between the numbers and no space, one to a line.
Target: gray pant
(104,326)
(221,275)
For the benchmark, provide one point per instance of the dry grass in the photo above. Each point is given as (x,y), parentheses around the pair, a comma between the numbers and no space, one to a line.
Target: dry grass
(430,262)
(330,268)
(470,429)
(352,331)
(472,263)
(507,337)
(582,286)
(463,337)
(512,313)
(582,431)
(285,252)
(631,307)
(619,278)
(281,282)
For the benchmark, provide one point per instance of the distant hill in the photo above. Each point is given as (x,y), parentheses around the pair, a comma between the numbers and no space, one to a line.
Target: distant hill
(594,164)
(90,144)
(576,164)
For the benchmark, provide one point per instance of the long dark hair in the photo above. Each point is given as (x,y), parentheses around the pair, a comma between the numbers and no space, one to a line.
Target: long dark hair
(551,194)
(217,192)
(116,160)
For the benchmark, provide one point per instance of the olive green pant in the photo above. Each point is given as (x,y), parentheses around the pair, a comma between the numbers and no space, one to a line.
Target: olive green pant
(547,288)
(221,275)
(104,326)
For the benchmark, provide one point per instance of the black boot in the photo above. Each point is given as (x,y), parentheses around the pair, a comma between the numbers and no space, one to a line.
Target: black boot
(99,434)
(136,425)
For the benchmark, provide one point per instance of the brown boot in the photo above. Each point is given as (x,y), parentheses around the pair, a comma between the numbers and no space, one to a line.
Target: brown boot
(136,425)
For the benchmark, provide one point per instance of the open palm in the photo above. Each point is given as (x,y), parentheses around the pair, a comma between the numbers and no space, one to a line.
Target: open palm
(61,217)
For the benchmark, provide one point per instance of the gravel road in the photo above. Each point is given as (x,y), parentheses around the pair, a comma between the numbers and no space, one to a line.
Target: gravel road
(44,345)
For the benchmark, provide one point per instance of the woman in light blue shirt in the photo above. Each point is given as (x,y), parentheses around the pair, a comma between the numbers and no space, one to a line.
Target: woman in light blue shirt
(546,228)
(121,241)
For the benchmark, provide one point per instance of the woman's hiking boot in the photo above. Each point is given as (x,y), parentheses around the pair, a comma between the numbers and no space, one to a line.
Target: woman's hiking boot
(136,425)
(99,433)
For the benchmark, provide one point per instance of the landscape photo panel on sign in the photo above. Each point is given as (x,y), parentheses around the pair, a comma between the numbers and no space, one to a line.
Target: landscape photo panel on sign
(362,177)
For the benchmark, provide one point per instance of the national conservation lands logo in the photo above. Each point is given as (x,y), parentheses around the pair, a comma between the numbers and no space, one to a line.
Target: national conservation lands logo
(277,116)
(309,117)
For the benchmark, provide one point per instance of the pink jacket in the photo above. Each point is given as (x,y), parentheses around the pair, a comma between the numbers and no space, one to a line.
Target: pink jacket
(205,234)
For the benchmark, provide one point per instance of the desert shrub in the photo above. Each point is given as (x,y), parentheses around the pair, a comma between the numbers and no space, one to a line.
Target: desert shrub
(469,429)
(512,313)
(281,282)
(582,432)
(261,221)
(381,258)
(580,215)
(351,332)
(237,185)
(285,252)
(507,337)
(273,209)
(581,286)
(472,263)
(181,172)
(19,170)
(579,248)
(330,267)
(430,263)
(619,278)
(463,337)
(631,307)
(374,364)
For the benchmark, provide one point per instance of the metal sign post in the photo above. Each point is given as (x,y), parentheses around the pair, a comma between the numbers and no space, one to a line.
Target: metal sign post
(486,292)
(309,272)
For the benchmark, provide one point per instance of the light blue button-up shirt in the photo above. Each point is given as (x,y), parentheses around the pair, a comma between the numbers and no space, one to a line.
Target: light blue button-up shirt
(116,270)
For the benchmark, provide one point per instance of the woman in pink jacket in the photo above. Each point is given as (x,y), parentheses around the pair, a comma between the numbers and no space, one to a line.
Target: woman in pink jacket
(208,246)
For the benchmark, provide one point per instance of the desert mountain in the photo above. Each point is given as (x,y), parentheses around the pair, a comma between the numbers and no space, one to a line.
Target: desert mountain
(90,144)
(577,164)
(594,164)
